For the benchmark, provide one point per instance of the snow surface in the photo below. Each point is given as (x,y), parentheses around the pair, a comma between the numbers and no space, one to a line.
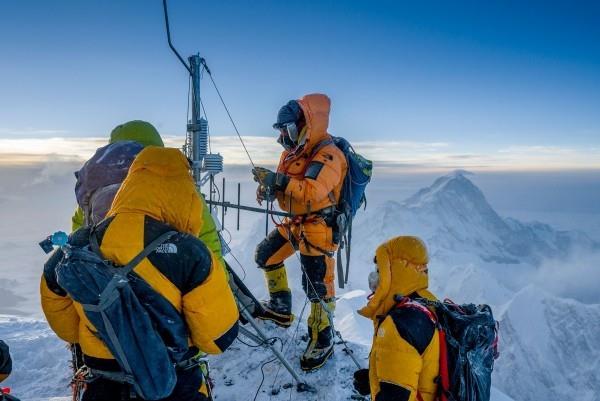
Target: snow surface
(549,344)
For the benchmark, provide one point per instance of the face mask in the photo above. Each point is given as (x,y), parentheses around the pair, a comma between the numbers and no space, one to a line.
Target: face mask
(285,141)
(373,280)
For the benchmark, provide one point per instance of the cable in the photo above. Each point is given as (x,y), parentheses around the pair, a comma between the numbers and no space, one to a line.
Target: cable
(229,234)
(216,187)
(271,341)
(239,264)
(228,113)
(322,302)
(262,373)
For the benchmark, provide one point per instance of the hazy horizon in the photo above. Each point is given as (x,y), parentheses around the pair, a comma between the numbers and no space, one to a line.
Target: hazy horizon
(38,199)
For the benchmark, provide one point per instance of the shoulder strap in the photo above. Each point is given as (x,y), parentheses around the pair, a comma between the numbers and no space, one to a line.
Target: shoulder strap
(407,302)
(109,295)
(128,268)
(147,251)
(319,146)
(444,377)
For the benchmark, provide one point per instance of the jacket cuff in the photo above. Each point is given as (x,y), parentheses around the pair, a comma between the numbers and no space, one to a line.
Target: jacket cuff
(281,182)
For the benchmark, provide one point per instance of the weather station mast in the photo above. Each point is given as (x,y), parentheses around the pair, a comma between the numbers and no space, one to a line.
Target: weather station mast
(196,146)
(205,166)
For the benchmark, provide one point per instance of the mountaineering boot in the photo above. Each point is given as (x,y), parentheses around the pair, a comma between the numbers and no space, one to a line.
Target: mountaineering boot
(320,334)
(278,308)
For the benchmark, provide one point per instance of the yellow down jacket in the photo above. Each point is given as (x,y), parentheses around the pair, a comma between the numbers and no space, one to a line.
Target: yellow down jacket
(404,357)
(158,195)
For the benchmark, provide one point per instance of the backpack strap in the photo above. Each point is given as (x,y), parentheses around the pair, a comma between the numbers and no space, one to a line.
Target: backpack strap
(348,245)
(340,268)
(128,268)
(406,302)
(109,295)
(319,146)
(444,377)
(315,150)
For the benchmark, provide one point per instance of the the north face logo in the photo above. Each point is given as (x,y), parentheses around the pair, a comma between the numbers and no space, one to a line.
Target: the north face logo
(166,248)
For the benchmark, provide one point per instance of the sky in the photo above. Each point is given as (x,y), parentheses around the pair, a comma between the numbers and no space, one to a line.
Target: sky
(478,85)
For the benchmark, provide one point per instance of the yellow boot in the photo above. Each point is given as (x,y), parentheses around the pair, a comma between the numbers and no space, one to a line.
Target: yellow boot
(278,308)
(320,333)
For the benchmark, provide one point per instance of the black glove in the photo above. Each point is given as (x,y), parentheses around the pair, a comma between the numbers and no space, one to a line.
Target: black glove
(361,382)
(263,195)
(270,179)
(50,272)
(264,176)
(269,182)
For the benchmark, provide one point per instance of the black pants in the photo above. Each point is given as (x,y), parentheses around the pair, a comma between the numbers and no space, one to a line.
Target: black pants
(275,249)
(188,384)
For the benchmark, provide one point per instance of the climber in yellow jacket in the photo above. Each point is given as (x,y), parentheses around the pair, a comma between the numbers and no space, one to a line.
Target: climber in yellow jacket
(144,134)
(404,359)
(157,196)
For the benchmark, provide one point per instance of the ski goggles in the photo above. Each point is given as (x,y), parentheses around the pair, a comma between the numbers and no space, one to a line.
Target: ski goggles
(291,129)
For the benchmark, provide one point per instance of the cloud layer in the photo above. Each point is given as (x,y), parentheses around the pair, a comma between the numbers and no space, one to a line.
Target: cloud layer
(391,156)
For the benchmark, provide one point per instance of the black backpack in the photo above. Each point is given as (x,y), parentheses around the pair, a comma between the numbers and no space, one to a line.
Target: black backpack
(468,347)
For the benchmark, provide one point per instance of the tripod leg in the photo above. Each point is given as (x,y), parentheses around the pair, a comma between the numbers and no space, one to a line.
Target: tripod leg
(243,292)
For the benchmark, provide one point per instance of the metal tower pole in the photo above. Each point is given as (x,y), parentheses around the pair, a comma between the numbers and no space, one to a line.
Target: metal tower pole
(197,127)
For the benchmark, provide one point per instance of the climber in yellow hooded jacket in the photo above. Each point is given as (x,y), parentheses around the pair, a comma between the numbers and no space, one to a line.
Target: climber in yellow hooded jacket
(145,134)
(404,359)
(157,196)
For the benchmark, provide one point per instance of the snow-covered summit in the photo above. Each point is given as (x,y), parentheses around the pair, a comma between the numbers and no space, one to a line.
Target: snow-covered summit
(452,187)
(454,216)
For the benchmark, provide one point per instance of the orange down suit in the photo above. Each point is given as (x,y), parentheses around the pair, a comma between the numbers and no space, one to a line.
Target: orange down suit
(304,196)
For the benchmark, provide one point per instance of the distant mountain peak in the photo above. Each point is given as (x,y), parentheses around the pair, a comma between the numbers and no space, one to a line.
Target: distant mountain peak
(452,214)
(459,172)
(451,188)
